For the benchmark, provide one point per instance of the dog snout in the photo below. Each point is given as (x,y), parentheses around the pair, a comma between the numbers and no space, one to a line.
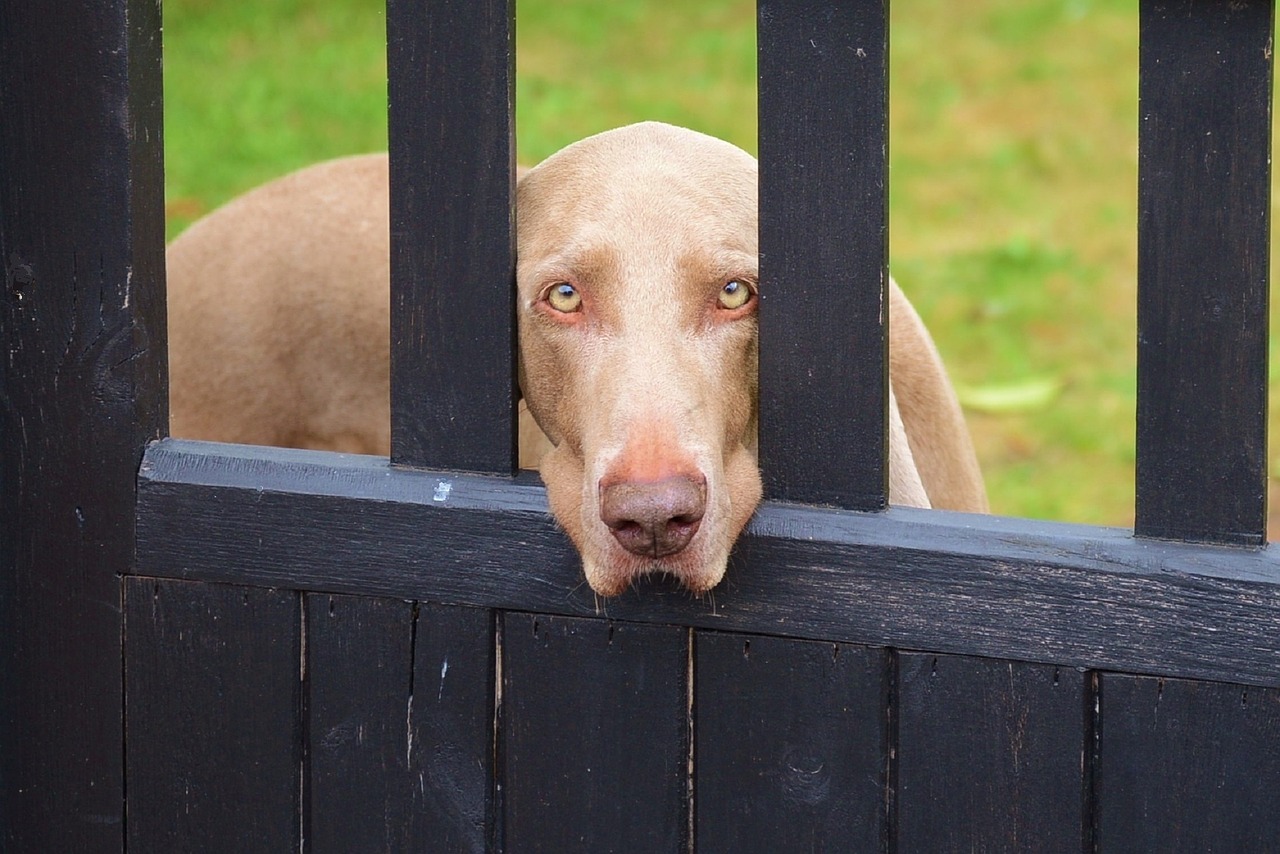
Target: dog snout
(654,519)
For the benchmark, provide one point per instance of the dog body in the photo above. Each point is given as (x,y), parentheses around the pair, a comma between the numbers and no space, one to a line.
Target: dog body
(636,295)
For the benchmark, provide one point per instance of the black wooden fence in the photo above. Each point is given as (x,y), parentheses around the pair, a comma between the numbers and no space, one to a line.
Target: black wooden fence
(222,648)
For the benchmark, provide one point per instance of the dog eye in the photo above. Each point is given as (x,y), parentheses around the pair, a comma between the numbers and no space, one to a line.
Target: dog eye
(564,297)
(735,294)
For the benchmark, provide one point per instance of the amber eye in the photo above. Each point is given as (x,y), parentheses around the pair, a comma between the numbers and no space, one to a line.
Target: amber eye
(735,294)
(564,297)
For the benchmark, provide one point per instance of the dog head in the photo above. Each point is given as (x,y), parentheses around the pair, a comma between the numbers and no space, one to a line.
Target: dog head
(637,293)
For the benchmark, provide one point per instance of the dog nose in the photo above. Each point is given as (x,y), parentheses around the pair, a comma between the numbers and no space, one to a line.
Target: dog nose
(654,518)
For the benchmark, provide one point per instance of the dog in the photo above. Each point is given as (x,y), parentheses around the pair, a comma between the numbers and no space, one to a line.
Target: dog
(637,286)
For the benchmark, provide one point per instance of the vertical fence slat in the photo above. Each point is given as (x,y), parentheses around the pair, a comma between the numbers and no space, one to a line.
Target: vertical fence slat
(213,706)
(823,87)
(451,72)
(1187,766)
(991,755)
(791,745)
(82,367)
(1203,253)
(595,735)
(359,665)
(452,717)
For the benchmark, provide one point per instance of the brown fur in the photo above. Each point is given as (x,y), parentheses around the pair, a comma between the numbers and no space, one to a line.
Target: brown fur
(279,328)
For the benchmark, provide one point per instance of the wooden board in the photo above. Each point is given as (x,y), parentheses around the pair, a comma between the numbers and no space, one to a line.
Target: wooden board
(823,250)
(1187,766)
(451,79)
(1072,595)
(1203,265)
(452,721)
(359,677)
(212,699)
(991,755)
(82,342)
(594,735)
(791,745)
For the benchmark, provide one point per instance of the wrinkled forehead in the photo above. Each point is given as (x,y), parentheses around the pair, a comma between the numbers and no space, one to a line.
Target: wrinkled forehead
(638,197)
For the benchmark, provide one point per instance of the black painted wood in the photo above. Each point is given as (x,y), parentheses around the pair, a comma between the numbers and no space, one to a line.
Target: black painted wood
(1187,766)
(81,390)
(991,755)
(359,680)
(1203,266)
(792,745)
(213,695)
(1071,595)
(594,735)
(451,75)
(452,720)
(823,90)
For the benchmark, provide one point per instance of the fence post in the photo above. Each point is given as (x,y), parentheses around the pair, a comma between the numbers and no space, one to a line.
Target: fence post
(823,78)
(1204,182)
(451,77)
(82,389)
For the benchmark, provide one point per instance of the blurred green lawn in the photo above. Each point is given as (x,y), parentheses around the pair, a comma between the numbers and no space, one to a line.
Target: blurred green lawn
(1013,176)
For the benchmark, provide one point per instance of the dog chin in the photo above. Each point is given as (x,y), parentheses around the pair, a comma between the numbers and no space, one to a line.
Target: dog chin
(613,573)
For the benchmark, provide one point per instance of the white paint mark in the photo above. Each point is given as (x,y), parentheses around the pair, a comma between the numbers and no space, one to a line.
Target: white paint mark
(443,488)
(444,668)
(862,54)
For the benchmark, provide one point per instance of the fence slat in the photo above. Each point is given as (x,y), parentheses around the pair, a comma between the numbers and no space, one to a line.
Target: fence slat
(82,366)
(823,93)
(450,75)
(212,700)
(791,745)
(451,771)
(1203,254)
(359,662)
(595,735)
(1187,766)
(991,755)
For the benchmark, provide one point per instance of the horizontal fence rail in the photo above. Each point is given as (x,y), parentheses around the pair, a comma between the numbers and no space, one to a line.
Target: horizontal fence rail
(1033,591)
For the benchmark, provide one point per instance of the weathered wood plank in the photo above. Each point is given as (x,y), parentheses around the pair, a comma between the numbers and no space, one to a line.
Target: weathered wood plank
(791,745)
(452,720)
(451,78)
(81,391)
(1072,595)
(991,755)
(824,242)
(1203,266)
(1187,766)
(594,735)
(358,677)
(213,695)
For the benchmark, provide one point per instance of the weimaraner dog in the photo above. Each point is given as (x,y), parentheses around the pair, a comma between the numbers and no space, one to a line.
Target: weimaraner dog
(637,288)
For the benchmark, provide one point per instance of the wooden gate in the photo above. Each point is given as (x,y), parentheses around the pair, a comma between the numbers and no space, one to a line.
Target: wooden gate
(222,648)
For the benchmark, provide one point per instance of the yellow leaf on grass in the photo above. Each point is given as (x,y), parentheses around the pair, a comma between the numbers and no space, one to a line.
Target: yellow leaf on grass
(1019,396)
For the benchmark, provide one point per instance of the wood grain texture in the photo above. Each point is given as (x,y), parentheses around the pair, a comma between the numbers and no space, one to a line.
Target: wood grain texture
(359,680)
(824,240)
(1071,595)
(594,735)
(451,77)
(82,343)
(991,755)
(1187,766)
(1203,268)
(213,695)
(452,719)
(791,745)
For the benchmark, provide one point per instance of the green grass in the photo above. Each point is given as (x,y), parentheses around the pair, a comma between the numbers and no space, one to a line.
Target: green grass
(1013,178)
